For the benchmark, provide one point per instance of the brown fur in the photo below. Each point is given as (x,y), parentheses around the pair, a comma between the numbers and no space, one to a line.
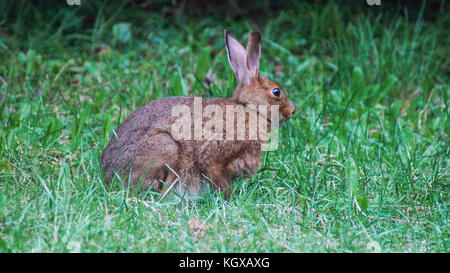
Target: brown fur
(144,145)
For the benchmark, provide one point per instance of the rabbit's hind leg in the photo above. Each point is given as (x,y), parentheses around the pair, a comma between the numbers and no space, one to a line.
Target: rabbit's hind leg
(151,164)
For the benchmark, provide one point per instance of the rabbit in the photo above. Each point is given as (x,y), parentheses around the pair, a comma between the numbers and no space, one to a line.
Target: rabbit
(145,152)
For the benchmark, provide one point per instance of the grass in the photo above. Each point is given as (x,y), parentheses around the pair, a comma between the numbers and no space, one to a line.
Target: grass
(362,166)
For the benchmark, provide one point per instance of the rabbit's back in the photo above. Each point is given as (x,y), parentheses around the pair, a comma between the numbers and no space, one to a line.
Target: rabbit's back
(143,143)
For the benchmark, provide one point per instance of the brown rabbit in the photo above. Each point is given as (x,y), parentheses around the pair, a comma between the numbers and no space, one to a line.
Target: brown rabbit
(146,150)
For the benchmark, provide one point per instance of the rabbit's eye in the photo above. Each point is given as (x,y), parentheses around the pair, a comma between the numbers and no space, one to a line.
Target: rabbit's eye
(276,92)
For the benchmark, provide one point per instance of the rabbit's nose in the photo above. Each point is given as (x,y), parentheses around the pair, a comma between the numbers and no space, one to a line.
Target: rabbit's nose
(292,107)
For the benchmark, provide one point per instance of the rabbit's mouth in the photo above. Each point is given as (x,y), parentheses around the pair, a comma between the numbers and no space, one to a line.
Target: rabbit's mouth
(285,118)
(282,118)
(286,113)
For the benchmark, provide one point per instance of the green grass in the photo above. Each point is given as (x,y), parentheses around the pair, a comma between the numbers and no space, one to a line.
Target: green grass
(363,162)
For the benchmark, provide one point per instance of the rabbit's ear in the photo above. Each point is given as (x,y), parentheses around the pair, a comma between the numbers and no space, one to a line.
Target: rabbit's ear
(253,53)
(237,57)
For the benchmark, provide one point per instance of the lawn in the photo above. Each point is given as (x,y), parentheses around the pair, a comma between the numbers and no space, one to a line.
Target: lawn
(362,166)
